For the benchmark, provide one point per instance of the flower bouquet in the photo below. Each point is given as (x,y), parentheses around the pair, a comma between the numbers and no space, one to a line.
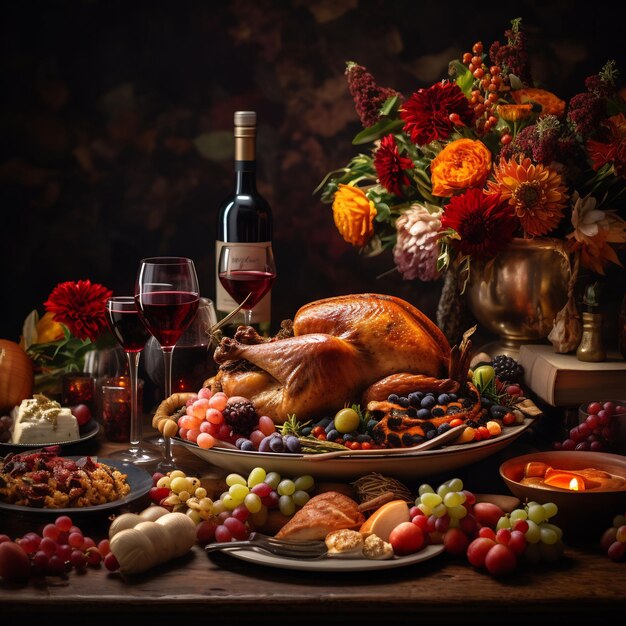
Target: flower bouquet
(74,324)
(458,170)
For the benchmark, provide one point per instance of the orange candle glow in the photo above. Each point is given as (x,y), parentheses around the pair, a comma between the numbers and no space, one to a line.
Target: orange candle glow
(576,485)
(565,480)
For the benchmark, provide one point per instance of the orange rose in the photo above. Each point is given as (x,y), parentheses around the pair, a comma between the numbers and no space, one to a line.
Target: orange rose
(462,164)
(514,112)
(354,215)
(549,103)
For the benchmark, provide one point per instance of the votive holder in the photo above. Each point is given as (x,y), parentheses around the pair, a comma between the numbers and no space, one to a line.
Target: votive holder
(78,388)
(116,407)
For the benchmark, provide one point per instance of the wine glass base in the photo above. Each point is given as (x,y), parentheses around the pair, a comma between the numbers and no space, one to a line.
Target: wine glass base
(156,440)
(144,456)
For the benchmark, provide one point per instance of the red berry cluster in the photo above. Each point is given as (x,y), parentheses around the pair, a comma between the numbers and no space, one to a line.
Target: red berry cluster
(60,548)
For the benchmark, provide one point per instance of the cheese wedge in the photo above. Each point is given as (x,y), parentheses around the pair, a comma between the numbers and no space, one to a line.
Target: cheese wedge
(41,420)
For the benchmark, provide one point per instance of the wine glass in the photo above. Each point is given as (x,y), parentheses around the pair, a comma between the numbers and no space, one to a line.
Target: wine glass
(192,361)
(167,298)
(130,332)
(247,273)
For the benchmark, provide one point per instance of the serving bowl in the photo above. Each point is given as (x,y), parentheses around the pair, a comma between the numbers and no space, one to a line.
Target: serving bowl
(580,513)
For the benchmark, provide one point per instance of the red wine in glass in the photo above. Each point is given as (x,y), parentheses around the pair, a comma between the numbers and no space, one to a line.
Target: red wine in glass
(127,327)
(167,314)
(240,283)
(247,274)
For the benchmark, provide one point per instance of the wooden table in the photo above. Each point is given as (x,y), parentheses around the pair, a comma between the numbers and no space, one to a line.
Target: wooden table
(218,588)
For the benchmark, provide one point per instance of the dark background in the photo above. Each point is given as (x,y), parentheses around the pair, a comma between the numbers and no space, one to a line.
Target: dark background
(116,126)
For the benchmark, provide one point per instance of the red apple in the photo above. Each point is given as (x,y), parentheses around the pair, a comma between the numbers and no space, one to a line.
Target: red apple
(406,538)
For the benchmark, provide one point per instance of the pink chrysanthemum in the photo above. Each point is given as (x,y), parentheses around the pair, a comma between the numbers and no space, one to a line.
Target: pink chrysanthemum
(81,307)
(427,112)
(390,166)
(483,222)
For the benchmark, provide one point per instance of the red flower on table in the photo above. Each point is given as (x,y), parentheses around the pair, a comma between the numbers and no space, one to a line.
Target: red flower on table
(484,223)
(80,306)
(390,166)
(428,113)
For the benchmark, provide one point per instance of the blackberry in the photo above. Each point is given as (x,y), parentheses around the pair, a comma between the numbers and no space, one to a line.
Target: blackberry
(507,369)
(241,416)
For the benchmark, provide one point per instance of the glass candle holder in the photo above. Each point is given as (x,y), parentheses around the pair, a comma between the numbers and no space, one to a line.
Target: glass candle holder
(116,408)
(78,388)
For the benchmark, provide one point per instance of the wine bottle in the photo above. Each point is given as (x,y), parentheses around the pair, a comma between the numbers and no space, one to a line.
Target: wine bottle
(244,218)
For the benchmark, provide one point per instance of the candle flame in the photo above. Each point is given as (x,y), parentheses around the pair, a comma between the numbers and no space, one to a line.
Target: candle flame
(574,485)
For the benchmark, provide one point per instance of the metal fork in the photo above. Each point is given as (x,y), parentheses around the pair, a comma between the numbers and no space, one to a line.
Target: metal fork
(258,541)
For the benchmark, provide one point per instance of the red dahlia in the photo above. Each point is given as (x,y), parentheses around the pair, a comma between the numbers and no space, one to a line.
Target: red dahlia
(427,112)
(485,224)
(390,166)
(80,306)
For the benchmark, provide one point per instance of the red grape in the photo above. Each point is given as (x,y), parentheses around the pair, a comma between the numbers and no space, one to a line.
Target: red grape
(593,408)
(455,541)
(63,523)
(478,549)
(517,542)
(111,563)
(82,413)
(222,533)
(236,528)
(205,531)
(616,551)
(500,560)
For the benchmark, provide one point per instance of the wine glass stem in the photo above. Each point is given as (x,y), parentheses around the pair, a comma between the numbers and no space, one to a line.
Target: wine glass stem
(167,363)
(135,419)
(247,317)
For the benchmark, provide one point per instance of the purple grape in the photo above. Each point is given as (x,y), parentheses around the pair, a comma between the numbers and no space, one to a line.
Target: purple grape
(292,444)
(276,444)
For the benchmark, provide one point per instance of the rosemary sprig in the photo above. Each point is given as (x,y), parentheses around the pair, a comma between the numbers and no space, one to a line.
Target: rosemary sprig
(312,445)
(292,426)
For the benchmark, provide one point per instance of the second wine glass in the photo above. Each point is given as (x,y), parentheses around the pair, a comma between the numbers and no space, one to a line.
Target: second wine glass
(247,273)
(131,334)
(167,298)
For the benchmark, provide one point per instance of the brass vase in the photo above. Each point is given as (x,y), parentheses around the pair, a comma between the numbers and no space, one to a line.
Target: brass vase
(518,294)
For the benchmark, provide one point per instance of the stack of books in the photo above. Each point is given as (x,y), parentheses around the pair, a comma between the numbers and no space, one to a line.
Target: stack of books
(561,380)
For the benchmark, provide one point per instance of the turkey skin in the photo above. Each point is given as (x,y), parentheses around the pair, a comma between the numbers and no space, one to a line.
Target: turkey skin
(340,347)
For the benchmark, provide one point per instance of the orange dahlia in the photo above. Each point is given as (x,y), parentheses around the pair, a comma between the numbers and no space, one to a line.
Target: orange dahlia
(354,215)
(462,164)
(536,193)
(549,103)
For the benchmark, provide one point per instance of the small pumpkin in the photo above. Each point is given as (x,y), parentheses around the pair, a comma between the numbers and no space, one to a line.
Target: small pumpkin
(16,375)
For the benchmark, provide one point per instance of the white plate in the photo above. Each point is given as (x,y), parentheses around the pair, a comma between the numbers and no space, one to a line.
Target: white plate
(334,564)
(414,465)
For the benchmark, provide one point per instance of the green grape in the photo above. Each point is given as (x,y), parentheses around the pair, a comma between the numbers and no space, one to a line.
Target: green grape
(431,500)
(533,534)
(452,499)
(194,515)
(550,509)
(547,535)
(536,513)
(440,510)
(218,507)
(553,528)
(228,502)
(286,487)
(238,492)
(425,488)
(235,479)
(518,514)
(426,510)
(618,520)
(304,483)
(455,484)
(253,503)
(178,484)
(286,505)
(457,512)
(272,479)
(301,497)
(205,504)
(503,522)
(442,490)
(256,476)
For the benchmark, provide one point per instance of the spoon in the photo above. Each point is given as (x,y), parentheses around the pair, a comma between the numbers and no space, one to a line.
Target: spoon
(449,435)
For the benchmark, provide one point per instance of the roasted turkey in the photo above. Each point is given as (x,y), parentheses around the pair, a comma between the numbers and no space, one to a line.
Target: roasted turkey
(352,348)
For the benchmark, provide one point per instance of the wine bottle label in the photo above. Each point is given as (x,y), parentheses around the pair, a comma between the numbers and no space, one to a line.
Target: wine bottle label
(261,313)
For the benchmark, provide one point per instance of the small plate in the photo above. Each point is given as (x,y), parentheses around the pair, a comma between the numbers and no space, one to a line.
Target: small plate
(86,432)
(139,479)
(334,564)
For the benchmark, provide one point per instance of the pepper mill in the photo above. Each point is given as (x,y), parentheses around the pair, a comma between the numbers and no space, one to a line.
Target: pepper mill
(591,347)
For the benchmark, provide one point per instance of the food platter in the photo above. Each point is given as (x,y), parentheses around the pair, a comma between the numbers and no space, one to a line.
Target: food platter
(410,465)
(139,480)
(88,431)
(327,564)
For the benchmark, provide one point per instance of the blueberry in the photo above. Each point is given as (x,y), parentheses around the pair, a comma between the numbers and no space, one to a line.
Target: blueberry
(428,402)
(306,430)
(403,402)
(292,444)
(277,444)
(438,411)
(453,397)
(407,440)
(240,441)
(417,439)
(348,437)
(415,398)
(330,426)
(428,426)
(444,398)
(497,411)
(363,438)
(423,414)
(431,434)
(412,411)
(247,446)
(371,424)
(485,402)
(333,434)
(324,422)
(393,397)
(442,428)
